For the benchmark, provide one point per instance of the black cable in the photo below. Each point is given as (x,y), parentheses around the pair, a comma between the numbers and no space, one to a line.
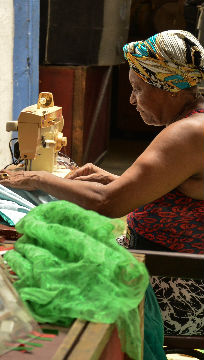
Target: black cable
(14,162)
(11,148)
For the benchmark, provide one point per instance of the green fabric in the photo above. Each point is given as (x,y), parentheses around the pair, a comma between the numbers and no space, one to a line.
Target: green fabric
(153,328)
(70,266)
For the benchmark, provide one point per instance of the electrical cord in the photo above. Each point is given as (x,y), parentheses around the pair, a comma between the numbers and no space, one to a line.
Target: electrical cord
(10,148)
(14,162)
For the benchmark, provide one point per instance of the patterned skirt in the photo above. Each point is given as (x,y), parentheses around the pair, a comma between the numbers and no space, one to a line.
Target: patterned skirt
(181,301)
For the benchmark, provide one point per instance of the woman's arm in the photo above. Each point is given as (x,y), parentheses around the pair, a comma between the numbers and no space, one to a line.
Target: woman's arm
(174,156)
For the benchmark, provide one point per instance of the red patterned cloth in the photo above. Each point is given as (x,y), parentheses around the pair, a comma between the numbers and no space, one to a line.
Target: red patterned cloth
(195,112)
(175,221)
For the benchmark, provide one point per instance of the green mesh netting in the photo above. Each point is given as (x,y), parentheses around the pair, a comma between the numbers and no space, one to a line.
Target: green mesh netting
(70,266)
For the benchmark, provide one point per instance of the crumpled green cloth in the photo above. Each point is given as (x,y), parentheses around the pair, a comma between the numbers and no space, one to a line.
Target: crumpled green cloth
(70,266)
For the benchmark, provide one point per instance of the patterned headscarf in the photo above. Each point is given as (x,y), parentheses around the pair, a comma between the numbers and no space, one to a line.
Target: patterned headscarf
(171,60)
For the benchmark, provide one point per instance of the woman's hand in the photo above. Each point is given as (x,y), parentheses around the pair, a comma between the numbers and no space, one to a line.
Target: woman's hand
(18,179)
(90,172)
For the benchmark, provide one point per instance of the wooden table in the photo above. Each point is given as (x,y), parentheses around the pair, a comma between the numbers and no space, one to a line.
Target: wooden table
(82,341)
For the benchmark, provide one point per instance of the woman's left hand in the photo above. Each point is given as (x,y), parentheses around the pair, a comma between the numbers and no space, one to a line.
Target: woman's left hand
(18,179)
(92,173)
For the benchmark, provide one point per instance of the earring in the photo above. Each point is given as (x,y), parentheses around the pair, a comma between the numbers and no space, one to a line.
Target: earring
(173,94)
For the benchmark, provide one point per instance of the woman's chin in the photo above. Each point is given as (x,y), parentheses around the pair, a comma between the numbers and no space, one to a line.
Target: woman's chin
(150,120)
(147,120)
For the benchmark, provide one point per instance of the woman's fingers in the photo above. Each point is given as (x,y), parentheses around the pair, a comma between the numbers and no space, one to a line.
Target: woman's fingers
(92,177)
(85,170)
(99,178)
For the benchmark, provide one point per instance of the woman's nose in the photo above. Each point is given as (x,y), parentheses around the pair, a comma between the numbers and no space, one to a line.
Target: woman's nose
(133,100)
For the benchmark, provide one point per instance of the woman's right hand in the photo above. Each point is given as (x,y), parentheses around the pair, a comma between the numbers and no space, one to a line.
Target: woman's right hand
(19,179)
(90,172)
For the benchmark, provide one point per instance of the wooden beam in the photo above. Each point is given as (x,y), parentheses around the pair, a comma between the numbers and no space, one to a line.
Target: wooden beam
(70,340)
(173,264)
(78,114)
(92,342)
(185,342)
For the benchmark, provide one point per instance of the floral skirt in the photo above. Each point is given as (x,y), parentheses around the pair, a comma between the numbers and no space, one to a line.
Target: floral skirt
(181,301)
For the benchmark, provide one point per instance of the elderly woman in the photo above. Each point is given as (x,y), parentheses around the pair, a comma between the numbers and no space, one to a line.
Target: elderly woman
(163,190)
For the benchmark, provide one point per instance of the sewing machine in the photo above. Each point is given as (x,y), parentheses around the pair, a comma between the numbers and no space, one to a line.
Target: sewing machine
(40,135)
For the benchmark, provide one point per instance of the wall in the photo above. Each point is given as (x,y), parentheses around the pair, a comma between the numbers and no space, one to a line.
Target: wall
(19,64)
(6,76)
(26,54)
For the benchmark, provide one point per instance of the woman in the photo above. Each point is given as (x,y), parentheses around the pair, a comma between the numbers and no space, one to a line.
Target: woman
(165,183)
(164,72)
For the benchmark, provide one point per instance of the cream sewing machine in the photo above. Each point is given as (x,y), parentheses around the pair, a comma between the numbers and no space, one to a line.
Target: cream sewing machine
(40,135)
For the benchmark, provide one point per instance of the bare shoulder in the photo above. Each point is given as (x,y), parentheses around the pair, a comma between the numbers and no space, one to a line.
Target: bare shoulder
(185,135)
(179,147)
(189,128)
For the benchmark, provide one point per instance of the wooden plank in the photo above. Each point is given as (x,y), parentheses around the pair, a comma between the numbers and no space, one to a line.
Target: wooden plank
(139,257)
(78,114)
(100,158)
(173,264)
(184,342)
(95,118)
(92,342)
(141,315)
(99,143)
(70,340)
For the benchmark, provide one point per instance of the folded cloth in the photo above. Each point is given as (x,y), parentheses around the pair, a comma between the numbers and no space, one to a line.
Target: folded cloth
(12,212)
(16,203)
(13,207)
(12,195)
(36,197)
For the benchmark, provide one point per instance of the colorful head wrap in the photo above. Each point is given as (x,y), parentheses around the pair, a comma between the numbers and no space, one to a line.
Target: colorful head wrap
(171,60)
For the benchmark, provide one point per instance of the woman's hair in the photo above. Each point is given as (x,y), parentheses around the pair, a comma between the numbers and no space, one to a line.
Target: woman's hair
(171,60)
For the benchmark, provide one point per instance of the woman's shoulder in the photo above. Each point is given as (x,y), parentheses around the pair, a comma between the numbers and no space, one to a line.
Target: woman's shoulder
(181,143)
(186,129)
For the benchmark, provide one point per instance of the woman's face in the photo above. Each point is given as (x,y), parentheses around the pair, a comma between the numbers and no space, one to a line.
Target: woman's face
(149,101)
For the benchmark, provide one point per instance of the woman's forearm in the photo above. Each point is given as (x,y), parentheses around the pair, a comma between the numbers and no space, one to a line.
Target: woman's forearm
(89,195)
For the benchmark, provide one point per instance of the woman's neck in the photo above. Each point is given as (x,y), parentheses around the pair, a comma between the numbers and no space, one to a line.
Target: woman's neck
(188,107)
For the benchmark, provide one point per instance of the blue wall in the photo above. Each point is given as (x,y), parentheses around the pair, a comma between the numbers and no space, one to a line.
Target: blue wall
(26,54)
